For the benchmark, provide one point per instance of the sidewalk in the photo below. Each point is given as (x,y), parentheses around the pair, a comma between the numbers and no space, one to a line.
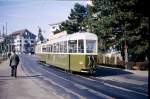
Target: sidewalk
(22,87)
(136,72)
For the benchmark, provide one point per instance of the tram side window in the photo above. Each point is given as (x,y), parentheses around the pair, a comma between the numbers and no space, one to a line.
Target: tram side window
(80,46)
(90,46)
(72,46)
(57,47)
(49,48)
(65,46)
(54,47)
(61,47)
(43,49)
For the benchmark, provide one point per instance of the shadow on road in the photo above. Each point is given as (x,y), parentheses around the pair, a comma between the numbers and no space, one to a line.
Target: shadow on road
(106,71)
(101,71)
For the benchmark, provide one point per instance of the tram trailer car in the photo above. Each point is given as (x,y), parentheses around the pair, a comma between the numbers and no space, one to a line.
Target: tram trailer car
(74,52)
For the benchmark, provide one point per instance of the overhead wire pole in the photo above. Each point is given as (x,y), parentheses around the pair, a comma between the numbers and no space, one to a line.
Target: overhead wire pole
(6,27)
(7,38)
(126,51)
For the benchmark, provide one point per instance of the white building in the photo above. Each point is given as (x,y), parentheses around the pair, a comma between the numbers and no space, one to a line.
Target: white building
(89,2)
(1,39)
(23,41)
(54,27)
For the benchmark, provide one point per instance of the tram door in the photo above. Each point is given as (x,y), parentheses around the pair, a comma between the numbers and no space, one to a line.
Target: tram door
(76,59)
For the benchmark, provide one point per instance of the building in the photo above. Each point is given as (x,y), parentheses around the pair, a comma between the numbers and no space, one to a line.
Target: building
(89,2)
(23,41)
(54,27)
(1,39)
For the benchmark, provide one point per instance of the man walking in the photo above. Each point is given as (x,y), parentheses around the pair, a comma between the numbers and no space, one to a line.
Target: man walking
(14,61)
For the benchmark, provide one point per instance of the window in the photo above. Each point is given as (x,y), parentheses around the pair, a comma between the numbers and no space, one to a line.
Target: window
(90,46)
(18,40)
(26,41)
(44,49)
(54,47)
(49,48)
(65,47)
(57,47)
(72,46)
(32,41)
(80,46)
(61,47)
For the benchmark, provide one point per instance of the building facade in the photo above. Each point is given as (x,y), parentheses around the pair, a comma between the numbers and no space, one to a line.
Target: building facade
(23,41)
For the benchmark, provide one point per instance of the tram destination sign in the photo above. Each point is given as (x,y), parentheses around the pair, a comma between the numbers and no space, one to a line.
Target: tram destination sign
(72,41)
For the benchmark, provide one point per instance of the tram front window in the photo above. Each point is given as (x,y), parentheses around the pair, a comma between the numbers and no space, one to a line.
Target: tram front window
(91,46)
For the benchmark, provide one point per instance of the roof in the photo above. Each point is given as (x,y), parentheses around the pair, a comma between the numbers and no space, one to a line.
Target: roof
(76,36)
(82,35)
(21,32)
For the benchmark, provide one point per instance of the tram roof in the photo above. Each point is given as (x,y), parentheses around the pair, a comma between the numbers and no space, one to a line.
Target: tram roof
(82,35)
(75,36)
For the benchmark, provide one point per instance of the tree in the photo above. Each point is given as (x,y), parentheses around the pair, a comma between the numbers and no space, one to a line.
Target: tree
(40,36)
(119,21)
(74,22)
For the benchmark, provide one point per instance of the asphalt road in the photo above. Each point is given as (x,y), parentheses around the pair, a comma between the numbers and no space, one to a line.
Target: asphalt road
(107,83)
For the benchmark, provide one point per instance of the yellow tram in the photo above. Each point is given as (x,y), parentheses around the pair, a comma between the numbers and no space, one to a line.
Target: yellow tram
(73,52)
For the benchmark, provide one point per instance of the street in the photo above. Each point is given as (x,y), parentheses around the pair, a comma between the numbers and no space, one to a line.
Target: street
(107,83)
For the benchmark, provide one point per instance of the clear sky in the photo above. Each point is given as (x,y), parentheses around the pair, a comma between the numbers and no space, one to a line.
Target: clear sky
(21,14)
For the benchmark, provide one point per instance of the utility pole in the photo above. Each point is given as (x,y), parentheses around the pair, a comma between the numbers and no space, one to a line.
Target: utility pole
(125,51)
(6,27)
(3,31)
(126,54)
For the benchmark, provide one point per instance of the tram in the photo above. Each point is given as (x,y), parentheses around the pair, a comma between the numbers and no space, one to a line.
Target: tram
(73,52)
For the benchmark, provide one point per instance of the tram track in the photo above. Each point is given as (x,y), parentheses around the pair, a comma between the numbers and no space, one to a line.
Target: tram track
(119,85)
(115,86)
(128,86)
(77,93)
(100,88)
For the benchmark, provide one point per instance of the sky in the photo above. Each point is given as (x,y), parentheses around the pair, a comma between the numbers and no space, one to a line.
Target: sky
(31,14)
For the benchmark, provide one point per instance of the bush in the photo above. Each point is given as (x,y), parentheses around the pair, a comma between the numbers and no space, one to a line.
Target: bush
(142,65)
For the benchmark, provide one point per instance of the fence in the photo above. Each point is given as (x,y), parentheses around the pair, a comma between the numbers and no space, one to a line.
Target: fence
(115,60)
(108,58)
